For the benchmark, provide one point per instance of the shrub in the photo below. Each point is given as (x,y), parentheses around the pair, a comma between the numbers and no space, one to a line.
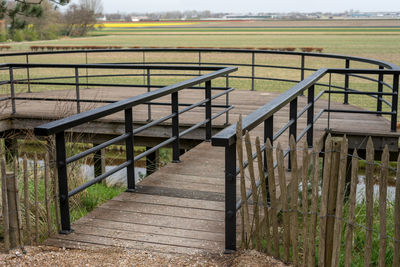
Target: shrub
(18,36)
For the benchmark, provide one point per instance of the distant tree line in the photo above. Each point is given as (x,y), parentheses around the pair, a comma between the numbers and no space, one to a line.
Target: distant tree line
(41,19)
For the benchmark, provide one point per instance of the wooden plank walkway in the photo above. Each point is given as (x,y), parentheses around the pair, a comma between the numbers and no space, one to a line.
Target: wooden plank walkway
(179,208)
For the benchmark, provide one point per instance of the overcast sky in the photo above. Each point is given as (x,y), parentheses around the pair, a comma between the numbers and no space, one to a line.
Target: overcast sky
(242,6)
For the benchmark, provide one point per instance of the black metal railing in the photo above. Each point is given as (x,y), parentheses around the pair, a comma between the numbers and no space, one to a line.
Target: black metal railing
(59,127)
(265,115)
(202,54)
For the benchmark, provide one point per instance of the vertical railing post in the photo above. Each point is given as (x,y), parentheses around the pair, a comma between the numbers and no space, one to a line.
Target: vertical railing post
(28,73)
(148,90)
(395,101)
(63,183)
(227,99)
(175,127)
(208,110)
(230,198)
(380,90)
(293,127)
(12,89)
(346,83)
(199,63)
(268,134)
(78,97)
(130,150)
(87,71)
(253,60)
(310,115)
(302,66)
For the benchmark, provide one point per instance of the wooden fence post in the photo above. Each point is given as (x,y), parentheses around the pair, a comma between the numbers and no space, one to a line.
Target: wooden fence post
(6,221)
(245,208)
(26,202)
(261,172)
(304,204)
(324,200)
(333,190)
(294,199)
(396,256)
(339,202)
(250,167)
(369,201)
(284,203)
(352,208)
(382,206)
(272,192)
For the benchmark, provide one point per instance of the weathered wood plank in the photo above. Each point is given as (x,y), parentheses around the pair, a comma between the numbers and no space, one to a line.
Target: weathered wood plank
(369,201)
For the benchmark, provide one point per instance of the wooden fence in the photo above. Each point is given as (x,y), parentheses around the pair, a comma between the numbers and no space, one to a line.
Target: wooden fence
(312,214)
(29,202)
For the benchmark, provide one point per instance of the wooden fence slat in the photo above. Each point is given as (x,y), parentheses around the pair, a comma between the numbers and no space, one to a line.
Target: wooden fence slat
(272,193)
(339,202)
(46,192)
(382,206)
(284,203)
(250,167)
(4,202)
(18,204)
(56,198)
(396,254)
(314,204)
(304,204)
(263,185)
(26,202)
(239,148)
(352,208)
(293,202)
(324,200)
(369,200)
(36,193)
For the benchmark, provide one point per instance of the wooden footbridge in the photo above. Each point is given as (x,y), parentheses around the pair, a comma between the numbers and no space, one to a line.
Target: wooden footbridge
(189,205)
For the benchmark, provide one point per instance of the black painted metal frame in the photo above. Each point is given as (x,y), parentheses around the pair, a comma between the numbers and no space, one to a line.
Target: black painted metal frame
(59,127)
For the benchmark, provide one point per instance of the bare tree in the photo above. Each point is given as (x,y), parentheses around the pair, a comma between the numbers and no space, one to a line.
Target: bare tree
(79,19)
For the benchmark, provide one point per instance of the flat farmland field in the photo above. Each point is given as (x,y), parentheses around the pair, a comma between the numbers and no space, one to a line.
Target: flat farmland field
(376,39)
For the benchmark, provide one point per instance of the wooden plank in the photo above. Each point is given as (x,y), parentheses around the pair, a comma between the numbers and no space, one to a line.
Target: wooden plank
(396,252)
(274,201)
(89,240)
(382,206)
(183,185)
(369,201)
(294,199)
(324,200)
(284,203)
(339,202)
(149,238)
(165,210)
(157,220)
(352,208)
(150,229)
(194,179)
(171,201)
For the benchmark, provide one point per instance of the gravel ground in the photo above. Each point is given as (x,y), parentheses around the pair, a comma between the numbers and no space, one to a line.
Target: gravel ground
(50,256)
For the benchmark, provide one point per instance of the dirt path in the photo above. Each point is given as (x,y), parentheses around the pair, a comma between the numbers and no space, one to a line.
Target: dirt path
(50,256)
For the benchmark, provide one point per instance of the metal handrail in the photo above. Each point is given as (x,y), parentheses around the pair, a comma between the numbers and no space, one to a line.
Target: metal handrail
(59,127)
